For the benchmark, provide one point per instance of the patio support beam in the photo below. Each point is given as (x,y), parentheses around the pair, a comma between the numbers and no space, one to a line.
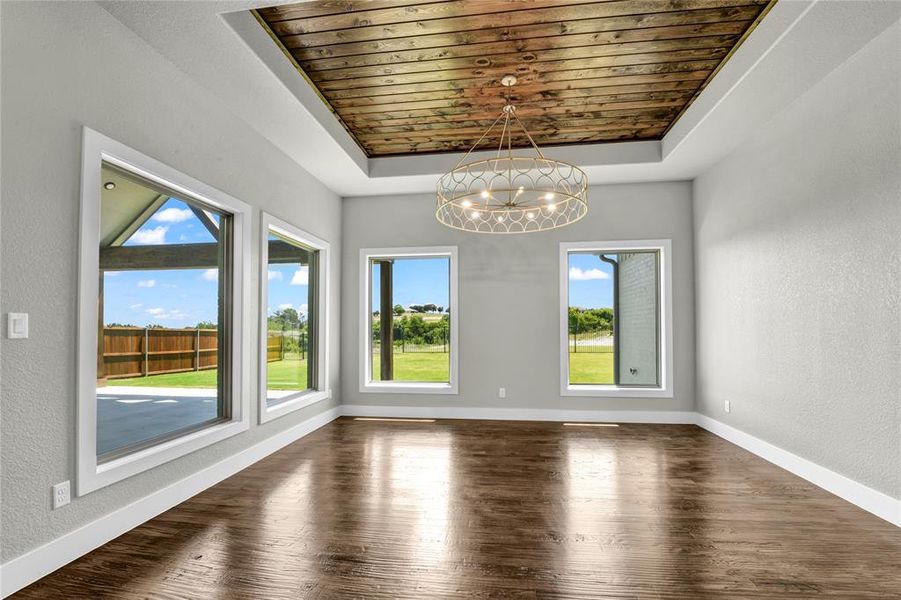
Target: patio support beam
(386,319)
(138,221)
(186,256)
(206,220)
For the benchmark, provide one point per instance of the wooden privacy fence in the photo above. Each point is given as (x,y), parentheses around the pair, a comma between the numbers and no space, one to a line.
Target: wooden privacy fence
(136,352)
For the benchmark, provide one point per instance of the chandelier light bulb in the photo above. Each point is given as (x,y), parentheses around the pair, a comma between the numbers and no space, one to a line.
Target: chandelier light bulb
(475,214)
(485,194)
(466,203)
(549,196)
(530,216)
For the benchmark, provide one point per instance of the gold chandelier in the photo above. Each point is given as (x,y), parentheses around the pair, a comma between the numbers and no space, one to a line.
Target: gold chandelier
(508,193)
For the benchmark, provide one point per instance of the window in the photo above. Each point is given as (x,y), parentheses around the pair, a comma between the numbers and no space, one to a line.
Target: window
(409,320)
(160,323)
(293,293)
(615,319)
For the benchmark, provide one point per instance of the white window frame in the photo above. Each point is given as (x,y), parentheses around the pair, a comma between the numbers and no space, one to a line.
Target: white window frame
(664,247)
(407,387)
(321,391)
(91,475)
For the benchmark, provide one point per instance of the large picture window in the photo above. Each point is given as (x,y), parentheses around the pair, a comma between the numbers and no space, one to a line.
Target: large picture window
(294,298)
(160,325)
(614,322)
(162,362)
(409,320)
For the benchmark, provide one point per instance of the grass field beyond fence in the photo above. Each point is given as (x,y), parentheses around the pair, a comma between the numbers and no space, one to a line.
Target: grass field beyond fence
(288,374)
(291,373)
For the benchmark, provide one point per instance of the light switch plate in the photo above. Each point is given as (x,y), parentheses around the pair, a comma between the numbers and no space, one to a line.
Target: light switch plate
(17,325)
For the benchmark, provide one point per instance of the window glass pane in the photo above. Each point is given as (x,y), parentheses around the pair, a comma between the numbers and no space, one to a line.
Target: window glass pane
(590,320)
(613,336)
(160,345)
(415,307)
(292,319)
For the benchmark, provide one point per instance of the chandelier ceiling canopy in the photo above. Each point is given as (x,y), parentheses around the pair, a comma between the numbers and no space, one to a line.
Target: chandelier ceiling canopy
(511,193)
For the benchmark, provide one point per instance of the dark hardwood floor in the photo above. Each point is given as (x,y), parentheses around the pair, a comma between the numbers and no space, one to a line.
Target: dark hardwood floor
(477,509)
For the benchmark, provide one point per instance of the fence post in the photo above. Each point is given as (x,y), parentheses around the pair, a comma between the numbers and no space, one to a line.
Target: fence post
(303,346)
(197,351)
(146,351)
(403,342)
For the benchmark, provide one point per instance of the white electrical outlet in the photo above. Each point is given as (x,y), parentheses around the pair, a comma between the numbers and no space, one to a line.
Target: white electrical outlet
(728,406)
(61,496)
(502,393)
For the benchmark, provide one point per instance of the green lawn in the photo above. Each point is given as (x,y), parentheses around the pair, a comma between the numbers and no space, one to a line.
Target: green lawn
(288,374)
(591,367)
(416,366)
(291,374)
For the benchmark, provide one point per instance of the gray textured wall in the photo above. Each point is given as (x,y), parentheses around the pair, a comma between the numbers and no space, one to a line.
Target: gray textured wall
(97,73)
(798,250)
(510,298)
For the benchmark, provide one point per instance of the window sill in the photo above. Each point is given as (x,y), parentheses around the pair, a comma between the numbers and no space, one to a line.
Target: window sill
(612,391)
(296,402)
(408,388)
(94,476)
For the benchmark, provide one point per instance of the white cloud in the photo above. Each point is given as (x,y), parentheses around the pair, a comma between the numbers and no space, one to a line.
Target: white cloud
(302,309)
(284,306)
(162,314)
(157,235)
(577,274)
(301,276)
(277,275)
(135,306)
(147,283)
(172,215)
(211,275)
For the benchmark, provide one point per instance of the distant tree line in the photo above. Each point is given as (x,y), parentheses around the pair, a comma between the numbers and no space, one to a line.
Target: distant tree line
(288,319)
(416,308)
(590,320)
(200,325)
(413,329)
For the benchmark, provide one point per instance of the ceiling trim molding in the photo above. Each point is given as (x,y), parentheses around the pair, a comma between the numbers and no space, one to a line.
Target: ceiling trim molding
(246,26)
(585,155)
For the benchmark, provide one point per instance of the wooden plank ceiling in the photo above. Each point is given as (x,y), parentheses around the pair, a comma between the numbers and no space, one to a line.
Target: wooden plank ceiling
(415,76)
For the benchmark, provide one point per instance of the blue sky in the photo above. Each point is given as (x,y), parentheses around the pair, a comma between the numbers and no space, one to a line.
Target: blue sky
(184,297)
(417,281)
(590,281)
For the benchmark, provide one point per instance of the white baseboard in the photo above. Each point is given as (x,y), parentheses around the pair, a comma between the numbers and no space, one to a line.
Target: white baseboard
(870,500)
(31,566)
(520,414)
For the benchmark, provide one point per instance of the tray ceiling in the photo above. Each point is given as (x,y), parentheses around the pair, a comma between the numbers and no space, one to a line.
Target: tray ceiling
(409,76)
